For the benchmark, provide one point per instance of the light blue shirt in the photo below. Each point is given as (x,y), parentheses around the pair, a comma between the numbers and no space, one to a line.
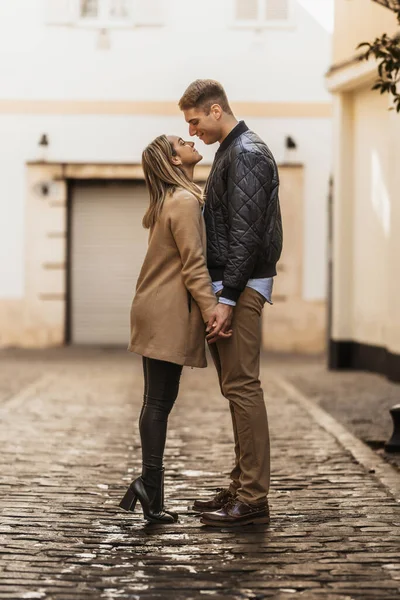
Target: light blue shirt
(263,286)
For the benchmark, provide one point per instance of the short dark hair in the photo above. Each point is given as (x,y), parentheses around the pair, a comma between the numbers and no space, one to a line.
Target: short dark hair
(203,93)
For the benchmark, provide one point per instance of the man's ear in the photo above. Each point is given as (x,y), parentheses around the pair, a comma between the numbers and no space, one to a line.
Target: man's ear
(216,111)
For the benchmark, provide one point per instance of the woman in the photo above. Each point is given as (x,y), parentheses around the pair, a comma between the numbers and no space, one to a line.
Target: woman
(174,303)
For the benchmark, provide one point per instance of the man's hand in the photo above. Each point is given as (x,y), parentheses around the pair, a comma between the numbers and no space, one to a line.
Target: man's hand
(219,324)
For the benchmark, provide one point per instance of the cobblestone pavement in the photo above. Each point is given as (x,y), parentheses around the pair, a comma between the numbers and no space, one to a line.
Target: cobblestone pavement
(359,400)
(70,446)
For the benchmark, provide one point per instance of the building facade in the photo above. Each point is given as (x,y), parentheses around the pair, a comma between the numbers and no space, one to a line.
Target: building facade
(85,85)
(365,331)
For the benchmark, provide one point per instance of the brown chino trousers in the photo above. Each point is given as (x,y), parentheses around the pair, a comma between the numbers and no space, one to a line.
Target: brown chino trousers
(237,360)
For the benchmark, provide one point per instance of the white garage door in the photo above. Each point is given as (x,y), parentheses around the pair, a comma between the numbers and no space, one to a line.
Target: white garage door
(108,245)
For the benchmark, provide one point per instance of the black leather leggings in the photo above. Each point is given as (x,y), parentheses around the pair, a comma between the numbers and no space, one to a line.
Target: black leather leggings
(161,387)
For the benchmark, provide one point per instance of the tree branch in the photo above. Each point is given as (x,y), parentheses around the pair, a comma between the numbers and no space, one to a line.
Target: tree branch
(386,50)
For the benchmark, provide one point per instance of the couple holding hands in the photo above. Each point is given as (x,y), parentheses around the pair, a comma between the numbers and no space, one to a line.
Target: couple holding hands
(208,272)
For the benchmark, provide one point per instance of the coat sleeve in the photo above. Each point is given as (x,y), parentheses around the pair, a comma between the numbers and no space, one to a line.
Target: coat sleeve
(249,185)
(186,228)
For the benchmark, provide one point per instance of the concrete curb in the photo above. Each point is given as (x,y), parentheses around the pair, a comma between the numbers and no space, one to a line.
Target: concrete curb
(385,473)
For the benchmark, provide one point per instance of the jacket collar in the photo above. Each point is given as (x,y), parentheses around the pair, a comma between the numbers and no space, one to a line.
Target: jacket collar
(240,128)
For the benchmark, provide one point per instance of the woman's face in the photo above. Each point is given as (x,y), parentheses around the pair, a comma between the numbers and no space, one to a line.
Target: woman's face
(185,151)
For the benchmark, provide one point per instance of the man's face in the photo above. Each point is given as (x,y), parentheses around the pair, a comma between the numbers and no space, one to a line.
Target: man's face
(207,127)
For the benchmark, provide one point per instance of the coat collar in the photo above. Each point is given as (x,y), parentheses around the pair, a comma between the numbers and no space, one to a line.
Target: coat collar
(240,128)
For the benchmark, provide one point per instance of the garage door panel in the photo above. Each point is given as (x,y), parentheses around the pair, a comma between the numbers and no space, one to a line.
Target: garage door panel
(108,245)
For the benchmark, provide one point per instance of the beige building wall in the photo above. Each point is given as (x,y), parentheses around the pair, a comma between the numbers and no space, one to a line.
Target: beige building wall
(372,217)
(39,318)
(358,21)
(393,281)
(293,324)
(366,247)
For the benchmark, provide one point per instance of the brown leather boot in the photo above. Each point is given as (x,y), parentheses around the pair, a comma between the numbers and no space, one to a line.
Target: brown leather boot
(235,513)
(214,503)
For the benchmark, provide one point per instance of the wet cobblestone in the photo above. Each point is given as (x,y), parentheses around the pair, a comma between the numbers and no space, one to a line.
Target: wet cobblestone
(70,446)
(359,400)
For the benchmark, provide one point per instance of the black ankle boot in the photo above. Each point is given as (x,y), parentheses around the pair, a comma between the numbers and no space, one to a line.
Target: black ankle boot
(149,490)
(174,515)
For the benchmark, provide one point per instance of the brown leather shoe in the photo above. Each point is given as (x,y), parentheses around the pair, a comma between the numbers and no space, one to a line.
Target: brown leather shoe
(235,513)
(214,503)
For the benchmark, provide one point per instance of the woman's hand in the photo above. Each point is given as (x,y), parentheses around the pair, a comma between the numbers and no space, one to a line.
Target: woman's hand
(219,324)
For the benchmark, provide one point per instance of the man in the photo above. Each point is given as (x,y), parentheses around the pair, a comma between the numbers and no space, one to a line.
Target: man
(244,230)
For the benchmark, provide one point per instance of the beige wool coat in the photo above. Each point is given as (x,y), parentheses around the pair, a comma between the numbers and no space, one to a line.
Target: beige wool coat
(174,297)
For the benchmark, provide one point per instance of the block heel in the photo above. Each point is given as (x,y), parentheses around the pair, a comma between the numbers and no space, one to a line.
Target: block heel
(128,502)
(150,496)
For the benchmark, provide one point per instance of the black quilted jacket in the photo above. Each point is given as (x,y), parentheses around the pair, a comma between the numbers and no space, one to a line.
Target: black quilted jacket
(242,212)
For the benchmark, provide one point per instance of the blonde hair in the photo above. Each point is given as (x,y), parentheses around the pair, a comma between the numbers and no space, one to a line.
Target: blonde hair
(162,177)
(203,93)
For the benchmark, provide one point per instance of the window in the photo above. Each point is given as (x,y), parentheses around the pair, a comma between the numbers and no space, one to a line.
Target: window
(276,10)
(105,11)
(263,13)
(103,14)
(89,9)
(119,9)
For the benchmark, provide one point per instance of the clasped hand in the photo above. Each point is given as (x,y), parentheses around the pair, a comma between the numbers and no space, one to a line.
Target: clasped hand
(219,324)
